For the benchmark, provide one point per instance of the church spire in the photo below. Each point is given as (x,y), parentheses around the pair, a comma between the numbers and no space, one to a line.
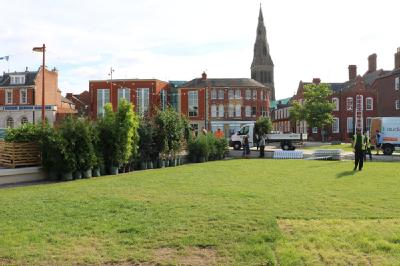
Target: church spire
(262,67)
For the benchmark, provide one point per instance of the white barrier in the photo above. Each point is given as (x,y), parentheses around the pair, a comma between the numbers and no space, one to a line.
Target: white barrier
(288,155)
(333,154)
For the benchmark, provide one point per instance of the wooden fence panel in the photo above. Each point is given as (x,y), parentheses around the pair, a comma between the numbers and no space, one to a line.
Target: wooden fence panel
(19,154)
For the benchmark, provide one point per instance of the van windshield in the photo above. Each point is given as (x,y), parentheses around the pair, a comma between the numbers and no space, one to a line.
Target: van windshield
(244,130)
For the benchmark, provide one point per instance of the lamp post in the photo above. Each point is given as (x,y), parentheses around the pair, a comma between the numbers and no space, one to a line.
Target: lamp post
(110,74)
(43,51)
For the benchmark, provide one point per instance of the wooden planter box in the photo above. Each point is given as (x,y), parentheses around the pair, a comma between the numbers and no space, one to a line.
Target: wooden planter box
(19,154)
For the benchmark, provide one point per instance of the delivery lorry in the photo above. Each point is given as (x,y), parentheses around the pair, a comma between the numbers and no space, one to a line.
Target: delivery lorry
(389,128)
(288,141)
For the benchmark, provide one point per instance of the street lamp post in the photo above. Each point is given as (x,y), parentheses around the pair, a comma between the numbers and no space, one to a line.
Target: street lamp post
(43,51)
(111,80)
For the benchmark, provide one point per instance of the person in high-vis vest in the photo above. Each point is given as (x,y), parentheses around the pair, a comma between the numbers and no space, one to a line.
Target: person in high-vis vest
(367,146)
(358,145)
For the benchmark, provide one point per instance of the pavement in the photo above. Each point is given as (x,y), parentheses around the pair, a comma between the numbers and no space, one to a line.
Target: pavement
(254,153)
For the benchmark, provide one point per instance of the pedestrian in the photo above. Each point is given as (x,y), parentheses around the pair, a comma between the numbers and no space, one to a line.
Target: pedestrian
(256,140)
(219,134)
(246,147)
(378,141)
(262,145)
(204,131)
(359,149)
(367,146)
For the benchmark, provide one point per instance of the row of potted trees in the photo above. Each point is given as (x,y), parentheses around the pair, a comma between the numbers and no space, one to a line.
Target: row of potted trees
(117,142)
(207,147)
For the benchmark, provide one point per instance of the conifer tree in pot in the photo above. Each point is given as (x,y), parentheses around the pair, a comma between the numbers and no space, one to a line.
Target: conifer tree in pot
(108,139)
(145,132)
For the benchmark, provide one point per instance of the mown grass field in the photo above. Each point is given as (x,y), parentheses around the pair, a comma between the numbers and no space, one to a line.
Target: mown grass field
(235,212)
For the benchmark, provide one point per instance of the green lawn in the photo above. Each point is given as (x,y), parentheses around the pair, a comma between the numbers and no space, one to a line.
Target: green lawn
(240,212)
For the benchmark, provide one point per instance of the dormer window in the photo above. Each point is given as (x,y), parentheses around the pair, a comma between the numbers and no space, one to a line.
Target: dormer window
(17,79)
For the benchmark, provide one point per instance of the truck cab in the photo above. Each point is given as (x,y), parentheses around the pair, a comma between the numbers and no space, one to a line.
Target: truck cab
(236,140)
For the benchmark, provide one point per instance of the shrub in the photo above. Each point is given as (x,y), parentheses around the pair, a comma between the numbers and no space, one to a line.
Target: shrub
(146,134)
(25,133)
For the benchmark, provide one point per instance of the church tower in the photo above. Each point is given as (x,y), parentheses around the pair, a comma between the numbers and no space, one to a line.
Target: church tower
(262,67)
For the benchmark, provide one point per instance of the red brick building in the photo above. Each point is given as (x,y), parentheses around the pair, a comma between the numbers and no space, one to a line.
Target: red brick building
(355,104)
(145,94)
(81,102)
(223,103)
(388,90)
(280,116)
(21,98)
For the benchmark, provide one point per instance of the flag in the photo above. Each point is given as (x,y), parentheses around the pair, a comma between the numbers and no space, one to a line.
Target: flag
(5,58)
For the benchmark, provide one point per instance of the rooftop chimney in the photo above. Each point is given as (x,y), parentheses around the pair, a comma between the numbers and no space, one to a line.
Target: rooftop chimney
(204,76)
(397,59)
(316,81)
(372,63)
(26,69)
(352,72)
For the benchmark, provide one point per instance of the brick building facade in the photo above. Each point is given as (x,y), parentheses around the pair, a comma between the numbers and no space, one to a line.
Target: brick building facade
(145,94)
(280,116)
(21,98)
(223,103)
(355,102)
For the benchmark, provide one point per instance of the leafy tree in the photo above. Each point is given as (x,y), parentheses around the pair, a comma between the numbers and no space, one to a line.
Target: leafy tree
(263,125)
(126,125)
(317,109)
(108,137)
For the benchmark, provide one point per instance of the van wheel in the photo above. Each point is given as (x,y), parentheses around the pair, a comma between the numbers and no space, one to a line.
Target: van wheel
(237,146)
(387,149)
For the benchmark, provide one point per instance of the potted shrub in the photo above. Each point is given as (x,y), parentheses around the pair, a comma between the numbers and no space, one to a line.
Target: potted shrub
(145,132)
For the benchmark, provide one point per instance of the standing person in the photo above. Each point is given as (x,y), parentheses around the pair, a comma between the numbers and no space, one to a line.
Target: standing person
(204,131)
(359,149)
(219,134)
(378,141)
(256,140)
(262,145)
(246,147)
(367,146)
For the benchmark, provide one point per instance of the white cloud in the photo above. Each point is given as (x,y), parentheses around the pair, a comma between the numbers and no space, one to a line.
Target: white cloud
(178,39)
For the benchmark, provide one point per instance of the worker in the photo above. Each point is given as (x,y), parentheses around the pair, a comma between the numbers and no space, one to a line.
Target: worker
(358,145)
(378,141)
(367,146)
(219,134)
(262,145)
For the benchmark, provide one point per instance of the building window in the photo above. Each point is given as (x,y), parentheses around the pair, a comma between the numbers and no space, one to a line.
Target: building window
(10,122)
(248,94)
(369,104)
(213,110)
(253,111)
(248,111)
(17,80)
(193,103)
(335,102)
(163,99)
(9,96)
(397,83)
(124,93)
(349,104)
(24,120)
(221,94)
(231,110)
(103,97)
(23,96)
(231,94)
(238,94)
(221,110)
(335,125)
(264,111)
(350,125)
(368,126)
(238,110)
(397,104)
(213,94)
(142,100)
(254,95)
(314,130)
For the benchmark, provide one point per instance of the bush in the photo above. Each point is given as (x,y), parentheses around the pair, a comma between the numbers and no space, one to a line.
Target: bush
(146,143)
(207,147)
(25,133)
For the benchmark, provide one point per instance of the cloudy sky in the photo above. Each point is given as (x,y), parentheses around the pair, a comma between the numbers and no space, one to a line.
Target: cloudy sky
(178,39)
